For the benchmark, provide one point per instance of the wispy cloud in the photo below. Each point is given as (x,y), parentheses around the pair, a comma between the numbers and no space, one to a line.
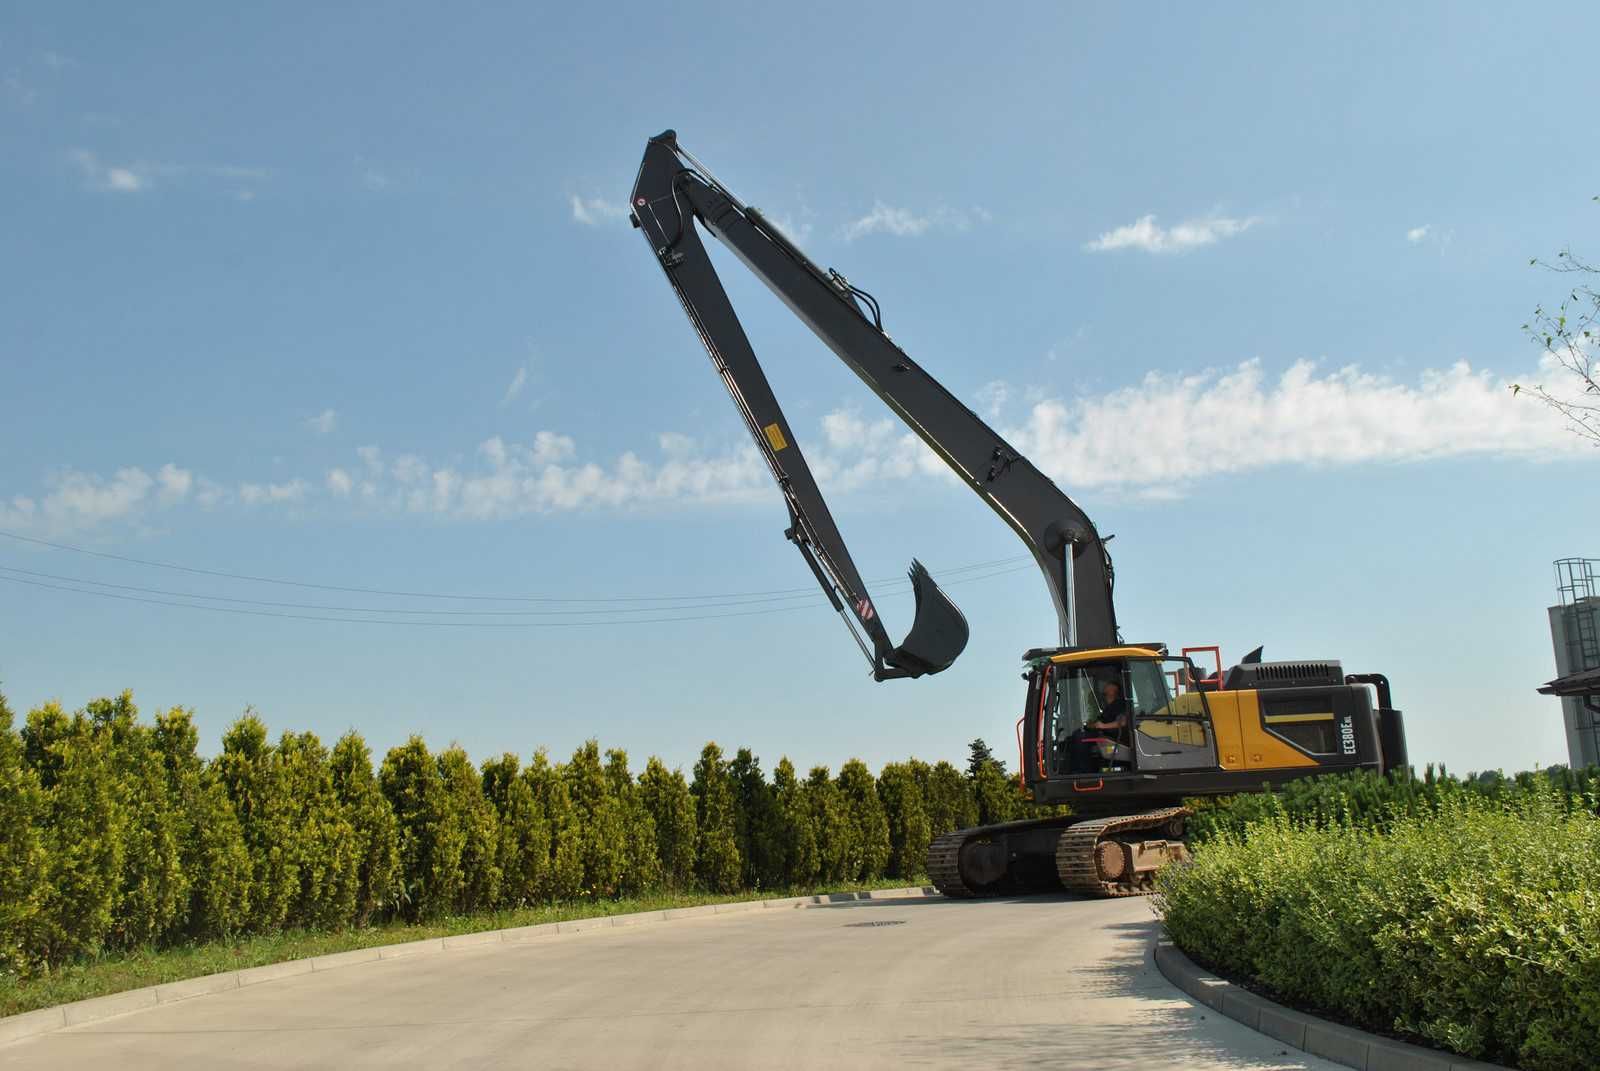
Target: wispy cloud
(1147,235)
(904,223)
(324,422)
(515,388)
(75,500)
(141,175)
(1174,427)
(107,178)
(1417,234)
(594,211)
(255,494)
(1153,439)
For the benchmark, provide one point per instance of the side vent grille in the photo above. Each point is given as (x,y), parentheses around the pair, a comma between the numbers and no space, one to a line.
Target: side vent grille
(1284,675)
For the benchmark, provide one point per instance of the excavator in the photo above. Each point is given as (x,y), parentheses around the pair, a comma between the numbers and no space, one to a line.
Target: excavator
(1121,731)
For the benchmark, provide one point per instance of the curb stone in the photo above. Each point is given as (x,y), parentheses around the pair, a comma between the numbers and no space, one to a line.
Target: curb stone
(49,1020)
(1332,1041)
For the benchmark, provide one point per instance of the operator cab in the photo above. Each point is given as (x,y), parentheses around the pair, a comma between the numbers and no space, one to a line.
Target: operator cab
(1114,711)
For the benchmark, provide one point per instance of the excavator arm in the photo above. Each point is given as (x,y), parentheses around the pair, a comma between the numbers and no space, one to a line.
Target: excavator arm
(672,195)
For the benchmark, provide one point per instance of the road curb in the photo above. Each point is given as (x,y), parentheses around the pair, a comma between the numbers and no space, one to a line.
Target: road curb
(48,1020)
(1332,1041)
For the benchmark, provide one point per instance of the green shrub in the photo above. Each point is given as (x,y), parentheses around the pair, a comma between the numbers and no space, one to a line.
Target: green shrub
(377,839)
(154,888)
(907,817)
(837,836)
(760,844)
(211,846)
(479,828)
(597,823)
(641,866)
(1473,924)
(251,771)
(949,801)
(870,828)
(1372,800)
(523,850)
(717,864)
(563,876)
(324,850)
(431,835)
(22,858)
(82,834)
(666,797)
(115,833)
(796,825)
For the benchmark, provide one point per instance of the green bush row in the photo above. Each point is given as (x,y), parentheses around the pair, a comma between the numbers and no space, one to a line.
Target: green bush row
(115,832)
(1469,920)
(1373,800)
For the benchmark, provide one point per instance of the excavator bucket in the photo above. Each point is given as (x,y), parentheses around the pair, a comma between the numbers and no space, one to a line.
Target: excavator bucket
(938,634)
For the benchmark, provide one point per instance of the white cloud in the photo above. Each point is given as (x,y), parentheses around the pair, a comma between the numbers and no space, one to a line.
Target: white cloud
(103,178)
(409,468)
(255,494)
(120,178)
(77,500)
(175,483)
(796,230)
(992,398)
(593,211)
(1151,440)
(515,387)
(1173,427)
(324,422)
(1417,234)
(904,223)
(1145,234)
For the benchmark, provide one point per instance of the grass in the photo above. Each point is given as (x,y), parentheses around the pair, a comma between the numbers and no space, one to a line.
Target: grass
(118,972)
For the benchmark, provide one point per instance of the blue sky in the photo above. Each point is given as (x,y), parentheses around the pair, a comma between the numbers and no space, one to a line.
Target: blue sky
(347,298)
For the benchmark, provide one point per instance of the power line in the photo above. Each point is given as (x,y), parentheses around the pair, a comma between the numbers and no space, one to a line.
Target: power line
(438,624)
(692,600)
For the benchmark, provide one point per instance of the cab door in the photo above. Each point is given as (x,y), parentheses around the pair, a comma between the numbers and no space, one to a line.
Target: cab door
(1170,732)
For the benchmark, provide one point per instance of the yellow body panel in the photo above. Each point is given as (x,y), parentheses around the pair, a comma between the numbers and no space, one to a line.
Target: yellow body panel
(1103,654)
(1262,750)
(1225,724)
(1243,743)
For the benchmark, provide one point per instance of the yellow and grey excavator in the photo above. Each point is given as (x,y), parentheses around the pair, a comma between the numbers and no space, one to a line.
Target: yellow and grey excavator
(1122,731)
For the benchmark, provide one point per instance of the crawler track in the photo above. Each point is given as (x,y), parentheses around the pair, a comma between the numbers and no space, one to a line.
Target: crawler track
(944,865)
(1078,852)
(1090,856)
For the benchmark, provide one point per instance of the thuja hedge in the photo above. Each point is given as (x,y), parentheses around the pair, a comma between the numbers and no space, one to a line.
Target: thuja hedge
(1463,914)
(1369,799)
(115,833)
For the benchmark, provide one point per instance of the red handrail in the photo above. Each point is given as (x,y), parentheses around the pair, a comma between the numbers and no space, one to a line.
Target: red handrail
(1022,756)
(1215,650)
(1044,694)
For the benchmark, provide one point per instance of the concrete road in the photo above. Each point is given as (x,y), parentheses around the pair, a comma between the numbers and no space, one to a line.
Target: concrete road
(1028,983)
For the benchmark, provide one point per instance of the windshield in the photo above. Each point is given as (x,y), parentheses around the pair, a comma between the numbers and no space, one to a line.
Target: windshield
(1106,702)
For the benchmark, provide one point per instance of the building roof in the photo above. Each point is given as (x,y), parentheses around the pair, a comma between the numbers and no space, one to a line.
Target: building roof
(1585,683)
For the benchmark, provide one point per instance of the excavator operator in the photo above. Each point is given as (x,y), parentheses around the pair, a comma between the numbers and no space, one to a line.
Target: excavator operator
(1113,709)
(1082,749)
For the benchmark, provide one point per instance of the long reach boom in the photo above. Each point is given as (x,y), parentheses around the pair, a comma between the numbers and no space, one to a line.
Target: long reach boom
(672,194)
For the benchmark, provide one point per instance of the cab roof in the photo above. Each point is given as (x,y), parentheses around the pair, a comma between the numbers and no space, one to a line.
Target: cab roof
(1102,654)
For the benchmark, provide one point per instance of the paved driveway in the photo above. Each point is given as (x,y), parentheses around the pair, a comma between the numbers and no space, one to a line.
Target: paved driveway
(1030,983)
